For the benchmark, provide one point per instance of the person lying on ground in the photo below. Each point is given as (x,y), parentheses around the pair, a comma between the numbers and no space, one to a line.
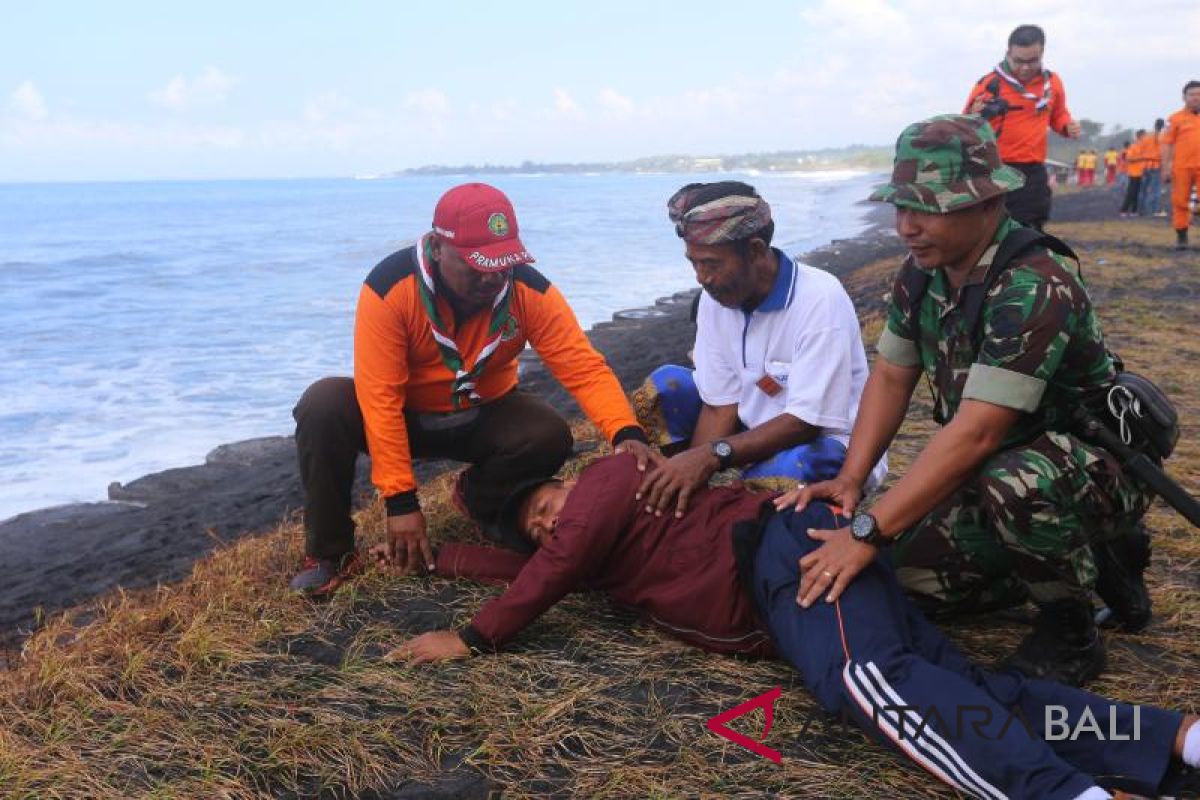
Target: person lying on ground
(726,577)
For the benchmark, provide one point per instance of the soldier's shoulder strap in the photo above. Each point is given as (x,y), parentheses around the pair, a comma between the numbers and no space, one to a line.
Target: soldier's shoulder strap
(1020,240)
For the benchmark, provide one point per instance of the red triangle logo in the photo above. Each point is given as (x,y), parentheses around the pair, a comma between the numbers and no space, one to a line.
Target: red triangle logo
(765,701)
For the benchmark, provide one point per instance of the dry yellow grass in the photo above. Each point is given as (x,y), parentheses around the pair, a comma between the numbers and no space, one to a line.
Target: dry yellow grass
(225,686)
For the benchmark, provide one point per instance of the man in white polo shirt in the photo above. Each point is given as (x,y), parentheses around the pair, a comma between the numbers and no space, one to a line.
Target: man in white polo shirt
(780,365)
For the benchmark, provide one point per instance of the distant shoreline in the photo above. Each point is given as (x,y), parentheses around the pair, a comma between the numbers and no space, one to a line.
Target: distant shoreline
(854,157)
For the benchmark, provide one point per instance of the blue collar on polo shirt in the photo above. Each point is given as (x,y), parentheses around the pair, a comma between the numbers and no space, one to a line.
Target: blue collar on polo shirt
(780,296)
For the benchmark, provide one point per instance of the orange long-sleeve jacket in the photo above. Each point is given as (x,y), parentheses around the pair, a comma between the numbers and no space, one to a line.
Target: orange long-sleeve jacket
(1136,156)
(1183,135)
(1021,132)
(398,366)
(1153,151)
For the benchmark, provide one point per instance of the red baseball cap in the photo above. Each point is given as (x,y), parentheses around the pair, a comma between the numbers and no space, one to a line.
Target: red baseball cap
(478,221)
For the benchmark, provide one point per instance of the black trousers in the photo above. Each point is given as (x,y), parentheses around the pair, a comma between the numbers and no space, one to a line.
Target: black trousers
(1030,204)
(506,441)
(1130,204)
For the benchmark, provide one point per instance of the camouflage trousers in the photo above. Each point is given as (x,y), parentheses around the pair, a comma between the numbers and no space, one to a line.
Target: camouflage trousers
(1021,529)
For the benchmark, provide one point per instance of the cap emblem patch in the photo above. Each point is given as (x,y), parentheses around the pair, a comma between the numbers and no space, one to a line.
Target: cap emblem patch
(498,224)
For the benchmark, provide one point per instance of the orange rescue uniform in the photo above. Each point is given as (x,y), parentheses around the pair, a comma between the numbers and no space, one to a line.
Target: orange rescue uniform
(398,366)
(1021,132)
(1135,158)
(1183,137)
(1153,151)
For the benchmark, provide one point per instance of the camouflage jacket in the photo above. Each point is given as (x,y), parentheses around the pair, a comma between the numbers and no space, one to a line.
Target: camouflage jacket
(1041,352)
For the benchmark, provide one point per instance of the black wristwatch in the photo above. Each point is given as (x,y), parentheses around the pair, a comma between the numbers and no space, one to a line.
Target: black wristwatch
(723,450)
(865,529)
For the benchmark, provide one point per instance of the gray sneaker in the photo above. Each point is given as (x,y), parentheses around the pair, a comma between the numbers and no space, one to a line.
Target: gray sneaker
(320,577)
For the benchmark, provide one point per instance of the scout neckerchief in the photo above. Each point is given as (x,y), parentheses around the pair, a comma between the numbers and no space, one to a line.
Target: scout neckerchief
(1041,103)
(463,392)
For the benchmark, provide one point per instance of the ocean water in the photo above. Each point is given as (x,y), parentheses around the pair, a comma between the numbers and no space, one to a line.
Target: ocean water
(143,324)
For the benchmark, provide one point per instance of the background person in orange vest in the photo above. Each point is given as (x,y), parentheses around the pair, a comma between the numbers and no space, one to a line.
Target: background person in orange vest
(1181,160)
(1150,198)
(1081,168)
(1023,101)
(1135,165)
(1092,160)
(1111,157)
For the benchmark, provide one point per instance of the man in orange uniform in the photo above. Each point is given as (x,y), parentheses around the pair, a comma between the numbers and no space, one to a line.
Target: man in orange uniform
(437,333)
(1023,100)
(1135,156)
(1150,197)
(1181,160)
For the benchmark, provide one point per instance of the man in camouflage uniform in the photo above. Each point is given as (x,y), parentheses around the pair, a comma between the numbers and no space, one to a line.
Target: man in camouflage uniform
(1003,504)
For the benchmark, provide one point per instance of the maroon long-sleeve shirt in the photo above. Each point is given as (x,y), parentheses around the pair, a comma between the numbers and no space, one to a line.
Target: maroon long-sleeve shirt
(680,573)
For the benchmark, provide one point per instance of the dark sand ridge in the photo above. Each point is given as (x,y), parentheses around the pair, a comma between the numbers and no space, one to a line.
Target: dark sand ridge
(161,523)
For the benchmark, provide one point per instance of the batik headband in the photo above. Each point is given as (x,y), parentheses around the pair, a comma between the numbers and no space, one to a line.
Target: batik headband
(725,219)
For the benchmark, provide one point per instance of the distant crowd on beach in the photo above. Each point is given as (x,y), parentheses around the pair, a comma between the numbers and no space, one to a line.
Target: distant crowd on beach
(1144,167)
(1134,171)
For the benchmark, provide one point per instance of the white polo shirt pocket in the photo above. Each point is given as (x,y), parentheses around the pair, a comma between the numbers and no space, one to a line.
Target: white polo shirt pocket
(779,371)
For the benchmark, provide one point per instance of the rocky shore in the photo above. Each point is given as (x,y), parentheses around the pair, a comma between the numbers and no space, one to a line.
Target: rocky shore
(154,528)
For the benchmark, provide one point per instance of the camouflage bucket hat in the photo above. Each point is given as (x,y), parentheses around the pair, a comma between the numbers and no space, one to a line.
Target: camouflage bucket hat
(947,163)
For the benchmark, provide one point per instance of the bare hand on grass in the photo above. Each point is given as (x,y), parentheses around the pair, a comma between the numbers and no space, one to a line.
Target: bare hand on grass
(429,648)
(408,546)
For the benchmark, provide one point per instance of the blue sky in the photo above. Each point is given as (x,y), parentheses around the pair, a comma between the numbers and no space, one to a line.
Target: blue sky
(126,90)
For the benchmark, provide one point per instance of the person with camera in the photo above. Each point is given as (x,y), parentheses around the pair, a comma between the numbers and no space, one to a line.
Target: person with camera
(1023,100)
(1005,503)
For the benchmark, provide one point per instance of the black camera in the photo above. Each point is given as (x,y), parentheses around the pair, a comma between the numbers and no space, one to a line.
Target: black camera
(994,108)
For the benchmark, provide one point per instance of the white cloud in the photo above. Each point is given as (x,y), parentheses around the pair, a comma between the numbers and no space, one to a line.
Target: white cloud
(865,20)
(427,101)
(565,105)
(27,102)
(848,71)
(323,107)
(615,103)
(211,87)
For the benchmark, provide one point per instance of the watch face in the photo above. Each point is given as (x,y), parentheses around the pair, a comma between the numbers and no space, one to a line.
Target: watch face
(723,449)
(861,526)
